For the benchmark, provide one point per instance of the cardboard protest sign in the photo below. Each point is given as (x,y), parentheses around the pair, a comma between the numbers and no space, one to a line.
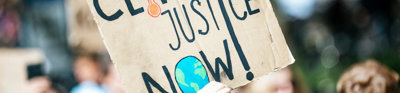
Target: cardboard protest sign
(181,45)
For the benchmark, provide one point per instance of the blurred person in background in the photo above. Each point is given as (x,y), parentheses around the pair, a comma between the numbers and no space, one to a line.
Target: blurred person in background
(44,26)
(282,81)
(84,37)
(88,72)
(368,77)
(96,74)
(112,81)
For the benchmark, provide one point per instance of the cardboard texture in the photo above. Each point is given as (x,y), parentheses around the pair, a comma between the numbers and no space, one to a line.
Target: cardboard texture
(181,45)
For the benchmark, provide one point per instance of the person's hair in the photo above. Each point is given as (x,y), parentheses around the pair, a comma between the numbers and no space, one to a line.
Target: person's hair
(368,77)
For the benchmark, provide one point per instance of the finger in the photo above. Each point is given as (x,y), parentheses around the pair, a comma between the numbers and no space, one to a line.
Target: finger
(225,90)
(209,85)
(218,86)
(207,88)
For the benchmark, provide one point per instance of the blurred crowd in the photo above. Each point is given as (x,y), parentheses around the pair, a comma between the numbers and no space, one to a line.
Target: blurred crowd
(341,46)
(75,59)
(328,36)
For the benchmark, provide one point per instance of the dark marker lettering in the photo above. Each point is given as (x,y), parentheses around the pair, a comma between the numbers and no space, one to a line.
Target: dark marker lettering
(219,62)
(212,13)
(234,12)
(131,9)
(180,25)
(201,15)
(148,80)
(169,79)
(103,15)
(176,32)
(235,40)
(251,12)
(190,24)
(164,1)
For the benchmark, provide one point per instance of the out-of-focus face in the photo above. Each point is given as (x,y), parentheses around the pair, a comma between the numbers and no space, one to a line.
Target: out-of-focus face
(275,82)
(86,69)
(283,82)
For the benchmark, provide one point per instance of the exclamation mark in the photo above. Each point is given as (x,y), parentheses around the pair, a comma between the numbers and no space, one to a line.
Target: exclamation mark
(249,74)
(153,9)
(235,41)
